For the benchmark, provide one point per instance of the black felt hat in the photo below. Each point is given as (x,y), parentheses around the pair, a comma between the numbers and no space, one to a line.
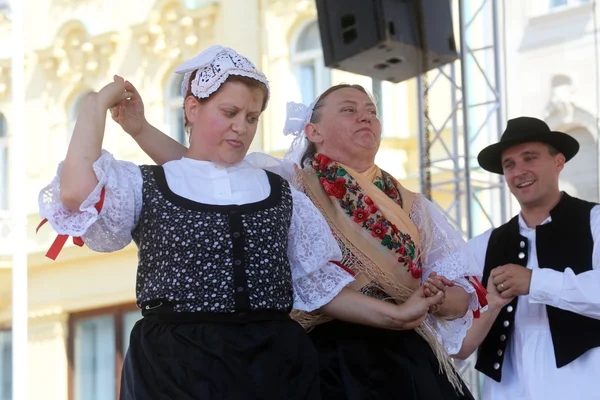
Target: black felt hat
(525,130)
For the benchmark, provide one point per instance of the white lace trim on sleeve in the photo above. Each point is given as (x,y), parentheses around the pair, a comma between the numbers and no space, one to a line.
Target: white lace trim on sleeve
(311,247)
(446,253)
(110,229)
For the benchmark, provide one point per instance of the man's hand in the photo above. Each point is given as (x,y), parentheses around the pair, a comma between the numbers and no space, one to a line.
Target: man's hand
(494,298)
(511,280)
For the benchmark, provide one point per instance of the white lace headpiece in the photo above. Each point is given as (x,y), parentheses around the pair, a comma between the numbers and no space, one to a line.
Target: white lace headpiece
(214,66)
(298,116)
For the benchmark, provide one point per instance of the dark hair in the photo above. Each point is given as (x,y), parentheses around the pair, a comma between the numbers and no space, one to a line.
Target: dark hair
(249,82)
(551,149)
(311,150)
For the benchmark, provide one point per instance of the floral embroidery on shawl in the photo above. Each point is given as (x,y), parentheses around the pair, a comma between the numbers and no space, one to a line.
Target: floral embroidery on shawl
(338,183)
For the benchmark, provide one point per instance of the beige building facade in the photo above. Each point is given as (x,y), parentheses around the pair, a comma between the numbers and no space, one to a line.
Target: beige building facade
(552,73)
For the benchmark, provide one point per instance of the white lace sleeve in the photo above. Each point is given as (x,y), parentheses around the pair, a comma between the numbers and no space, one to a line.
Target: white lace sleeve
(446,253)
(109,230)
(311,247)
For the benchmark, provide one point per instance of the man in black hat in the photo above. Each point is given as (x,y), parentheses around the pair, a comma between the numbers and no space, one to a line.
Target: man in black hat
(540,337)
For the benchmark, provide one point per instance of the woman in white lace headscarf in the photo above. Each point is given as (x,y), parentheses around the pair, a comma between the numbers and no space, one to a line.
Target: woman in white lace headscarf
(225,249)
(394,242)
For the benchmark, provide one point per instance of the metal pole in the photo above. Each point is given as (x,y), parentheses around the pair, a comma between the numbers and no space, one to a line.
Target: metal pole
(500,117)
(18,208)
(462,9)
(422,145)
(455,144)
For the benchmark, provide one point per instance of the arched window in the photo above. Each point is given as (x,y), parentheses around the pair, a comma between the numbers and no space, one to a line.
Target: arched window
(307,62)
(174,110)
(3,164)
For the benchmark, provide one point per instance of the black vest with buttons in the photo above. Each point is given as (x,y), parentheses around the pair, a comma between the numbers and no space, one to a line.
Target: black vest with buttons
(211,258)
(564,242)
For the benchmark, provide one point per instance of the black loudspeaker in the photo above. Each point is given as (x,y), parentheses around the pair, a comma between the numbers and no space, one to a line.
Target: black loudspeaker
(383,39)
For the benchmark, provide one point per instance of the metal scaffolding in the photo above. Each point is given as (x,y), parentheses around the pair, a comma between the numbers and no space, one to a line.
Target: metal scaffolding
(454,131)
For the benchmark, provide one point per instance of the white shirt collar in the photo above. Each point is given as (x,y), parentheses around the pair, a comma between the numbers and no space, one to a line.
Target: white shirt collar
(523,224)
(211,165)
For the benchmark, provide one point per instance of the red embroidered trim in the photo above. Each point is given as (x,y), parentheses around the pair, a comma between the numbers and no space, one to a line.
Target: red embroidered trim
(342,266)
(481,294)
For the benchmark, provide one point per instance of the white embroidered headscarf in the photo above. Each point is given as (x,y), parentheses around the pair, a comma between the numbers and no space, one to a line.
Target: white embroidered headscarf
(214,66)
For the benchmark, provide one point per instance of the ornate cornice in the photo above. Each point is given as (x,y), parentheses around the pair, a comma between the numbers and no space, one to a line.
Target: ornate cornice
(173,31)
(75,53)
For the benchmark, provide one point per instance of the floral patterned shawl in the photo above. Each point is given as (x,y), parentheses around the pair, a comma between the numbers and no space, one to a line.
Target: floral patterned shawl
(369,215)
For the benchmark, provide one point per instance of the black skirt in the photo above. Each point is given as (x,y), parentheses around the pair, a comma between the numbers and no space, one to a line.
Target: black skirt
(268,359)
(363,363)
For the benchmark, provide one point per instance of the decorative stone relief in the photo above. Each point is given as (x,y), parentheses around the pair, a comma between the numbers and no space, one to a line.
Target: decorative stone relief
(561,97)
(75,53)
(173,31)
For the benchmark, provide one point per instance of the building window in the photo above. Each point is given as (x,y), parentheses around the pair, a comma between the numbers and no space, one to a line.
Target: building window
(563,3)
(308,66)
(3,163)
(174,111)
(73,113)
(98,342)
(195,4)
(5,365)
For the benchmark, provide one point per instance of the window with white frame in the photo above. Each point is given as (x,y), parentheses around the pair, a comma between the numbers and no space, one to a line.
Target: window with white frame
(5,365)
(3,163)
(73,112)
(307,62)
(99,340)
(194,4)
(563,3)
(174,111)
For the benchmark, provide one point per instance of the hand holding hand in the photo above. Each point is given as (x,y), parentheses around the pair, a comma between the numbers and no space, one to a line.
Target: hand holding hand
(416,308)
(433,285)
(129,113)
(494,298)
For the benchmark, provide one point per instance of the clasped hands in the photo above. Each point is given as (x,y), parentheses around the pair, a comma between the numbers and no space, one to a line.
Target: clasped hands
(510,280)
(505,283)
(433,285)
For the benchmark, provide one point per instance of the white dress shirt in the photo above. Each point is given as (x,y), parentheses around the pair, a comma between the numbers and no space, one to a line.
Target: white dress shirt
(529,369)
(209,183)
